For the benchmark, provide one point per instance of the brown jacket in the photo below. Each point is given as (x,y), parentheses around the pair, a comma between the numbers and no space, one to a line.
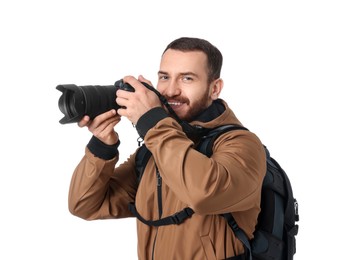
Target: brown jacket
(229,181)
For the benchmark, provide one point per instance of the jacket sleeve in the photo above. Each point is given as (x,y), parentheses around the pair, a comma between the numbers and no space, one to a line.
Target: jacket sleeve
(229,181)
(98,190)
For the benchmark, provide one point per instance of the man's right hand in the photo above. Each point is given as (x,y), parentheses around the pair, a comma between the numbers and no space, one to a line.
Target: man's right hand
(102,126)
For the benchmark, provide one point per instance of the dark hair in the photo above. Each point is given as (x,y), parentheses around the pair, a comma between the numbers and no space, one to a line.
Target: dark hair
(214,56)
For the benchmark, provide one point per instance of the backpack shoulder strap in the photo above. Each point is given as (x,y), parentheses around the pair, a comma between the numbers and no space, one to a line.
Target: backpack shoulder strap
(206,143)
(141,159)
(239,233)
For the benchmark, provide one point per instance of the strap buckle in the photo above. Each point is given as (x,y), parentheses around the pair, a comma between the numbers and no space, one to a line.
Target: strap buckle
(179,217)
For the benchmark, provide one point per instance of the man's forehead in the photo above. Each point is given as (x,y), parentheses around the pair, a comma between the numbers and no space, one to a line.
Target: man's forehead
(183,61)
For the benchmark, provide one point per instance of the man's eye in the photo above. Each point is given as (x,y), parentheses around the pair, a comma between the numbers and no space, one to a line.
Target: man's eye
(186,78)
(163,77)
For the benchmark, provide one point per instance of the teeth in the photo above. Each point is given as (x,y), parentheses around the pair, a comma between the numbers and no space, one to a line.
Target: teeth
(174,103)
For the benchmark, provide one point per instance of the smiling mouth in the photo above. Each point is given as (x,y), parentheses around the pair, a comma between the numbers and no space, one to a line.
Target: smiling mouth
(175,103)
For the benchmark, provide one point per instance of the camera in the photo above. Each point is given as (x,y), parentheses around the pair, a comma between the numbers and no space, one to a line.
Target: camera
(92,100)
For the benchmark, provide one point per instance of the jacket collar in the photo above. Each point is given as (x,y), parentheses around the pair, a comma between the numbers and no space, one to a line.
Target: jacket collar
(212,112)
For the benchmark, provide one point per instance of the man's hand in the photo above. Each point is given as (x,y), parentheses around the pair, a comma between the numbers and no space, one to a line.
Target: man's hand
(137,103)
(102,126)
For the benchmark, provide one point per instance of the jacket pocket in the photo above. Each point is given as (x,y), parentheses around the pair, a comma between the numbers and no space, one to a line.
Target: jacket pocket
(208,247)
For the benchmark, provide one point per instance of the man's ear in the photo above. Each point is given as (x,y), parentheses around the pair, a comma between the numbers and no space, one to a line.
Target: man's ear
(215,88)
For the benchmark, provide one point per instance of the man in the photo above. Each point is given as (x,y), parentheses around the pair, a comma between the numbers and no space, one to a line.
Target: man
(176,176)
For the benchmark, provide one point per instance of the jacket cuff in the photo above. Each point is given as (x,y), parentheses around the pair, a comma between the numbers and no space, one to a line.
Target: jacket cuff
(149,120)
(102,150)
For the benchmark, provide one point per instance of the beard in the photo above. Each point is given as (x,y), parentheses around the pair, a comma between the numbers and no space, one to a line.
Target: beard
(195,109)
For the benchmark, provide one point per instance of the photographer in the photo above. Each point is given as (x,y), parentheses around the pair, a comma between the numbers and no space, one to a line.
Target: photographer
(176,176)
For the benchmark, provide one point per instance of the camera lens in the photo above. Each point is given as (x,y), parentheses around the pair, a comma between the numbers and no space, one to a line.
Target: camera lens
(77,101)
(92,100)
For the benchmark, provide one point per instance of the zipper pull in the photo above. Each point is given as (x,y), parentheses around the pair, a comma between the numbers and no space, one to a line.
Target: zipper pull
(140,140)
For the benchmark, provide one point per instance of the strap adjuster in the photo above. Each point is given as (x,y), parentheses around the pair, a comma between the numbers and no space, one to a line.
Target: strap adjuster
(179,217)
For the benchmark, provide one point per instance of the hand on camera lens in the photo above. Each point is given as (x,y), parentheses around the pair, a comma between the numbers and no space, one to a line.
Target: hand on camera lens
(102,126)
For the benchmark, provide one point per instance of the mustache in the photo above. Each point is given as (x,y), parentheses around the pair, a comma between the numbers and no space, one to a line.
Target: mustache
(177,100)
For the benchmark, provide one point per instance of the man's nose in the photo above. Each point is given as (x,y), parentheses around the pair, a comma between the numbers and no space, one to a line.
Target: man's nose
(172,89)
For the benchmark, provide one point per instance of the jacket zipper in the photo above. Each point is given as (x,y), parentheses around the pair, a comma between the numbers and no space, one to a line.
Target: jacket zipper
(159,191)
(159,202)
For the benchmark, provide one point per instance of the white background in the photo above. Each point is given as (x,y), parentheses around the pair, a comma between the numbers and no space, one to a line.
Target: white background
(288,72)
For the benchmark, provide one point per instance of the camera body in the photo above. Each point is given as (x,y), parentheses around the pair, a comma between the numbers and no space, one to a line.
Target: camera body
(92,100)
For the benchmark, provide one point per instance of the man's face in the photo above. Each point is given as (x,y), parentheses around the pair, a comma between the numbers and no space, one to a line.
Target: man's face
(183,81)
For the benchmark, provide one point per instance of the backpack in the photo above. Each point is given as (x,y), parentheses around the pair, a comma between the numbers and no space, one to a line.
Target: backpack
(274,236)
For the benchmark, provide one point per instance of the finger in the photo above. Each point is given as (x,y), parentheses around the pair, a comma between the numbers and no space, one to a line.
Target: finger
(123,94)
(101,118)
(130,80)
(101,129)
(107,127)
(122,112)
(135,83)
(84,121)
(107,134)
(142,79)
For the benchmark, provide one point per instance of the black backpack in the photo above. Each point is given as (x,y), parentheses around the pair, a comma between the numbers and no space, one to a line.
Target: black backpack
(274,237)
